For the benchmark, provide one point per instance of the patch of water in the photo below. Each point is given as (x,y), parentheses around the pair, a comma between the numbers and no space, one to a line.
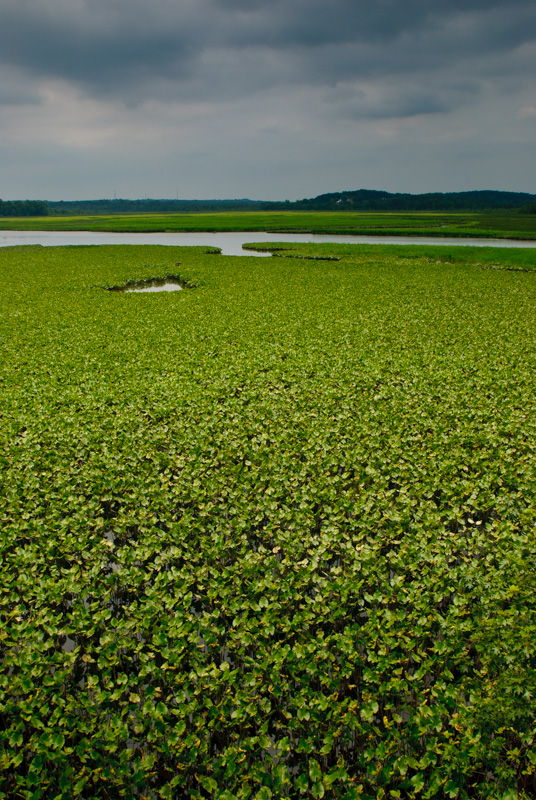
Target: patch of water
(155,287)
(233,243)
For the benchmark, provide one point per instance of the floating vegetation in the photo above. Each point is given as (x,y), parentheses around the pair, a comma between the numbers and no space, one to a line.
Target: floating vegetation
(274,538)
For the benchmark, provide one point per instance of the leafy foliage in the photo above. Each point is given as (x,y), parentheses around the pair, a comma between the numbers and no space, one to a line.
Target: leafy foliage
(23,208)
(272,536)
(119,206)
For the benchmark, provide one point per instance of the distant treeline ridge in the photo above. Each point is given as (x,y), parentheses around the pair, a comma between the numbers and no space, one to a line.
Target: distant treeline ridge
(23,208)
(147,206)
(369,200)
(359,200)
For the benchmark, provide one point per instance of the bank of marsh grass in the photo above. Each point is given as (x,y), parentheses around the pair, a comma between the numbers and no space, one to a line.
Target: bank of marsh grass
(458,225)
(271,536)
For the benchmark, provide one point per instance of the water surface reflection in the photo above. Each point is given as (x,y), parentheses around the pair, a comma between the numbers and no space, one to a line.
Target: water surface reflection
(232,243)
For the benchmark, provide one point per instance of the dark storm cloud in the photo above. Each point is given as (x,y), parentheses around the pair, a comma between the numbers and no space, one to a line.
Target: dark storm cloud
(398,99)
(426,57)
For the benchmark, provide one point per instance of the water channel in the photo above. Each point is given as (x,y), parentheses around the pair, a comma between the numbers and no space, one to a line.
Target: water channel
(231,244)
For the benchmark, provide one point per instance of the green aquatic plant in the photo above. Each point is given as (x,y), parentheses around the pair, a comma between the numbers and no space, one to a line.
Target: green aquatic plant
(270,538)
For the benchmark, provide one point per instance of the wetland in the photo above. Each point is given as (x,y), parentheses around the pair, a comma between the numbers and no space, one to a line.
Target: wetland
(273,537)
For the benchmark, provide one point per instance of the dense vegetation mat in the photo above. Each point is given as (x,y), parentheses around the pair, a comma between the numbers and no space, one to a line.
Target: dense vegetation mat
(271,536)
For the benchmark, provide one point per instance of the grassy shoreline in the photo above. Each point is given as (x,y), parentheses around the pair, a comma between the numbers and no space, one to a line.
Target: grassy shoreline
(492,225)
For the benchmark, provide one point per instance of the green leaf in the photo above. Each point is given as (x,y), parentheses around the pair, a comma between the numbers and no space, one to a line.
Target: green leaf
(315,773)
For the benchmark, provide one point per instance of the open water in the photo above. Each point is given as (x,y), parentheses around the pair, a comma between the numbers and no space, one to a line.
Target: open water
(231,244)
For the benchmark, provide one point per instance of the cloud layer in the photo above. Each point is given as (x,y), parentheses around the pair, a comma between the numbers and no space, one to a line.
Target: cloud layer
(85,72)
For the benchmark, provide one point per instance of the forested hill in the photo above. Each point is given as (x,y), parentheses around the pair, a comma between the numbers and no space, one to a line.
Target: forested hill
(370,200)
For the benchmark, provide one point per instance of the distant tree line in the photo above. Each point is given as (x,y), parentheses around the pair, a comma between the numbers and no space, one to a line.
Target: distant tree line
(119,206)
(370,200)
(23,208)
(359,200)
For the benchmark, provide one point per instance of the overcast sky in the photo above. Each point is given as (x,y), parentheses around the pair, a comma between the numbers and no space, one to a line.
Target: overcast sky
(266,99)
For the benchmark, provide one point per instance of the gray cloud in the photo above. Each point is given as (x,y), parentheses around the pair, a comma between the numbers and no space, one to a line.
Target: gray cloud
(399,98)
(133,50)
(16,88)
(303,95)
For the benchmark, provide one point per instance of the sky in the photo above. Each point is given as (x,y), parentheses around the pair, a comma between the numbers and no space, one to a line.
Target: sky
(265,99)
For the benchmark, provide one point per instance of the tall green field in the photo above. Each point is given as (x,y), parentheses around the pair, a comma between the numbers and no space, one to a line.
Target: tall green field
(271,536)
(460,224)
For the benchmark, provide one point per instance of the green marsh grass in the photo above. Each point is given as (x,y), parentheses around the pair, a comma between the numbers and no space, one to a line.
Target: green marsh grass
(457,225)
